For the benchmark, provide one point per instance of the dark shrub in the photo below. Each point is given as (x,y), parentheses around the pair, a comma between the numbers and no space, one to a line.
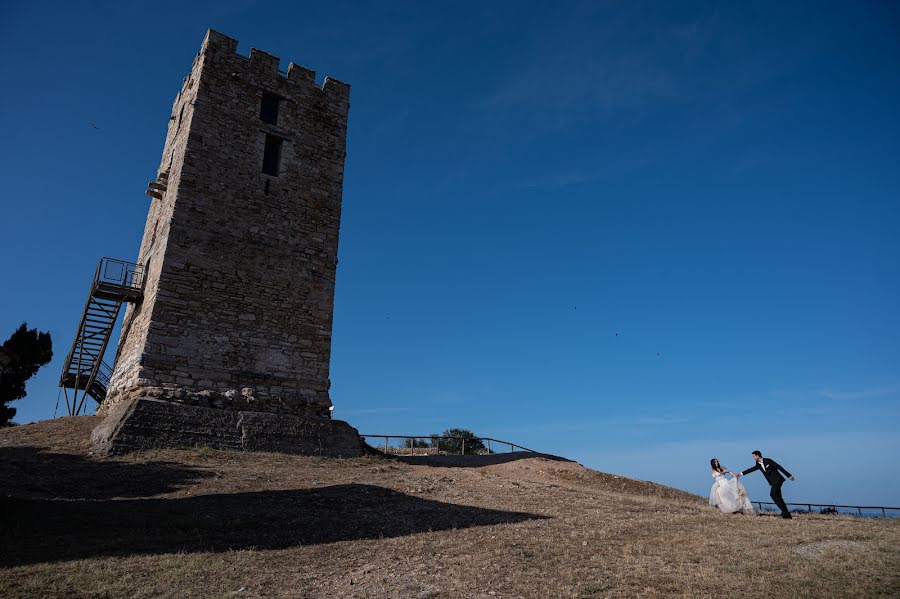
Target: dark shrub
(459,437)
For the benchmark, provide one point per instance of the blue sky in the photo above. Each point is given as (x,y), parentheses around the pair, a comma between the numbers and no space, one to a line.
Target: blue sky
(638,235)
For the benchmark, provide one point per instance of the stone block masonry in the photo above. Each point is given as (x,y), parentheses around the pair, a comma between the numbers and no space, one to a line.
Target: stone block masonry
(240,242)
(153,423)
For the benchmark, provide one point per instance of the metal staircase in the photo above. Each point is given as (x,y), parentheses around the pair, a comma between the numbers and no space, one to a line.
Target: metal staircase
(85,372)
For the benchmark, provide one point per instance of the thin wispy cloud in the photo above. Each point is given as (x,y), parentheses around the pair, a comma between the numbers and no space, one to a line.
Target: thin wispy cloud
(861,393)
(564,88)
(589,171)
(662,420)
(548,427)
(374,411)
(719,404)
(558,180)
(597,74)
(463,395)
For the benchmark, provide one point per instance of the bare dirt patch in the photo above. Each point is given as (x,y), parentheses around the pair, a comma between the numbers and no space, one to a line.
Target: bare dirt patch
(201,523)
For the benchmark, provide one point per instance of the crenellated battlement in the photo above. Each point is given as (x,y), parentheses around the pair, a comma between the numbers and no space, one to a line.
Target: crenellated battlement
(261,64)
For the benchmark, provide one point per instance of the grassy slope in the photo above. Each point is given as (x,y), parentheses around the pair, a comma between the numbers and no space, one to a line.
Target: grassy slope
(197,523)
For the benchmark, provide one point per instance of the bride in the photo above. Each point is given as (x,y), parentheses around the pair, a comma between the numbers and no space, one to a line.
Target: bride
(729,496)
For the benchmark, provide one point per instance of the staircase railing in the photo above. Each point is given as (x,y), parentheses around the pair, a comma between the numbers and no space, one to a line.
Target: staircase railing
(104,374)
(119,277)
(115,282)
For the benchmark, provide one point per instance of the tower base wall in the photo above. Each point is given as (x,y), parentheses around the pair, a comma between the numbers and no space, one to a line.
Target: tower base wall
(147,423)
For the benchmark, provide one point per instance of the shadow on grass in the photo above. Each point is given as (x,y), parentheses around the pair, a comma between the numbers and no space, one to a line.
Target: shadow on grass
(32,473)
(53,530)
(471,461)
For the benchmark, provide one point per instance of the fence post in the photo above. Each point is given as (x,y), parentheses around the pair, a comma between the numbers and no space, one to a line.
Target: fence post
(385,444)
(489,446)
(859,509)
(463,446)
(883,513)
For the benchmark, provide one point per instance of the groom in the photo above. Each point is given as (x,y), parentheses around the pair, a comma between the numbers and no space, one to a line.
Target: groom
(770,470)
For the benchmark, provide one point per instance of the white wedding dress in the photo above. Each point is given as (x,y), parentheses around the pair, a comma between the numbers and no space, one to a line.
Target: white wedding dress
(729,496)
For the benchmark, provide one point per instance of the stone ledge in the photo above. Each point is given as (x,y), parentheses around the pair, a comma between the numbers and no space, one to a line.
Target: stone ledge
(147,423)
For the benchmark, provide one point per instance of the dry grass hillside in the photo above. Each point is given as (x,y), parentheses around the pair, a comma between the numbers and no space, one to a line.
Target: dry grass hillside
(198,523)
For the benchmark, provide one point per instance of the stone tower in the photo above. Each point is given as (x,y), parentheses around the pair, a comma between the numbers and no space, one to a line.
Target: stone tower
(231,344)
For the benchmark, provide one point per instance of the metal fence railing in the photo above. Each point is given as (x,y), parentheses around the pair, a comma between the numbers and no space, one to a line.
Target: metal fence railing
(832,508)
(443,445)
(104,374)
(119,273)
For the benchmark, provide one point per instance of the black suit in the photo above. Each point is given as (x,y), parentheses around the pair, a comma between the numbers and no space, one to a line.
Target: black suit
(772,474)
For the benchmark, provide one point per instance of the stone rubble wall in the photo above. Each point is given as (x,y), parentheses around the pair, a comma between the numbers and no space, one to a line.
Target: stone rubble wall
(139,317)
(239,299)
(145,423)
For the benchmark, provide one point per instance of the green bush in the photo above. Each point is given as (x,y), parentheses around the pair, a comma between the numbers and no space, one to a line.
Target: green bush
(415,443)
(473,445)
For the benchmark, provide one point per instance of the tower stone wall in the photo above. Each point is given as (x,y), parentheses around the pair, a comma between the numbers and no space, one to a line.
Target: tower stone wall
(238,305)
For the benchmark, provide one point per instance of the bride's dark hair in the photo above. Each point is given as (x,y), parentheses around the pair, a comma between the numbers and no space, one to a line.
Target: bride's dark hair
(716,465)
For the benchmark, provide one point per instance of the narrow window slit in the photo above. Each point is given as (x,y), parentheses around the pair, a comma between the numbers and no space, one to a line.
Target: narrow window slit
(272,155)
(268,110)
